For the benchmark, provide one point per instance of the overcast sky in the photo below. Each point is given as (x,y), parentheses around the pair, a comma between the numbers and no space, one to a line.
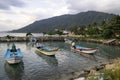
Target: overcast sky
(15,14)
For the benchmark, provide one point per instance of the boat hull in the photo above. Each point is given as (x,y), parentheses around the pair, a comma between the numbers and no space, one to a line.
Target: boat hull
(87,51)
(14,60)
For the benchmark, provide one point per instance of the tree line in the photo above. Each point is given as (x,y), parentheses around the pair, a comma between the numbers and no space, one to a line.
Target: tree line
(105,29)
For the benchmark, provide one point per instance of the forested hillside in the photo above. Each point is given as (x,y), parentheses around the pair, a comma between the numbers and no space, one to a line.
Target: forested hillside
(66,21)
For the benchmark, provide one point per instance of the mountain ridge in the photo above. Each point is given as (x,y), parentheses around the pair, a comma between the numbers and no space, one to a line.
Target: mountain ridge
(66,21)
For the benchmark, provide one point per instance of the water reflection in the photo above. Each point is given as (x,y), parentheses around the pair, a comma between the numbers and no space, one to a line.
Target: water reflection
(90,57)
(110,52)
(29,45)
(14,72)
(51,60)
(9,44)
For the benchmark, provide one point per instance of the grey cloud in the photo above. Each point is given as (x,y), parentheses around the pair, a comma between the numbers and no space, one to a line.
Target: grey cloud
(110,6)
(3,7)
(6,4)
(80,5)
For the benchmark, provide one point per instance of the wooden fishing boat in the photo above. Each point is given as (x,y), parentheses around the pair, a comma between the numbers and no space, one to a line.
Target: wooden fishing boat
(13,56)
(84,49)
(47,50)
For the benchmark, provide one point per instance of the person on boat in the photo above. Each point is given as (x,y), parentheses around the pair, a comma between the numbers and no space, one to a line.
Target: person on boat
(73,45)
(38,45)
(13,48)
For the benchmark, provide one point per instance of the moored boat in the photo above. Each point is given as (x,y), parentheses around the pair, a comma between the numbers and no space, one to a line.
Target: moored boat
(47,50)
(13,56)
(84,49)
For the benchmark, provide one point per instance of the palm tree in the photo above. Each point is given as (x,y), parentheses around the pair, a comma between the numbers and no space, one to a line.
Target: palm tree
(28,34)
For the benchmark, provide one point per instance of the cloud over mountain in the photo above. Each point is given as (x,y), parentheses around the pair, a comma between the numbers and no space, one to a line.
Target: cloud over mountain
(6,4)
(111,6)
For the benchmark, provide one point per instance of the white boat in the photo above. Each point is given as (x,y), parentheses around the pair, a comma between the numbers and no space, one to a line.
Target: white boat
(13,56)
(84,49)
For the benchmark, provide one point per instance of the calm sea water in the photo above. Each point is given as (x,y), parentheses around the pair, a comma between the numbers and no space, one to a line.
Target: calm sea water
(36,66)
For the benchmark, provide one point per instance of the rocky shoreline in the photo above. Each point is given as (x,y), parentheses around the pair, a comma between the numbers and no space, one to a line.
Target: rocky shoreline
(86,73)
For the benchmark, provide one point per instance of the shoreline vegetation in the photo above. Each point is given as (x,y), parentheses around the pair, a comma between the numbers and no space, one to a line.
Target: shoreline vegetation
(110,71)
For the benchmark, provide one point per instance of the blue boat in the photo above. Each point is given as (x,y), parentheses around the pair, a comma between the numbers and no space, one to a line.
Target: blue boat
(84,49)
(13,55)
(47,50)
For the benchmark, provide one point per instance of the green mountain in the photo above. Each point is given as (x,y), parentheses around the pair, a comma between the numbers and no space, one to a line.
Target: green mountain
(66,21)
